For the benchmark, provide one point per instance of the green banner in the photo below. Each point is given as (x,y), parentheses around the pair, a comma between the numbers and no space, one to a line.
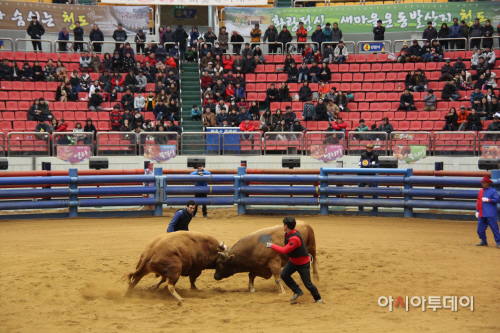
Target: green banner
(361,19)
(409,153)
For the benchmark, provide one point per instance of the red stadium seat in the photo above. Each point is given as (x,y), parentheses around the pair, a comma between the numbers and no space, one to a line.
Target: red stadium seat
(20,56)
(386,67)
(403,126)
(344,68)
(347,77)
(358,77)
(399,115)
(356,87)
(379,77)
(374,68)
(354,68)
(261,78)
(8,116)
(251,77)
(360,57)
(14,95)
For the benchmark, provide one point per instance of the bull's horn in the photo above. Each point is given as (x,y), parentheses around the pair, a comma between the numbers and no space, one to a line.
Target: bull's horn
(222,246)
(223,255)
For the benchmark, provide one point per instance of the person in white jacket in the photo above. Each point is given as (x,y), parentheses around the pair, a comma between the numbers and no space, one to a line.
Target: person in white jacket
(490,57)
(142,81)
(474,60)
(85,60)
(340,54)
(139,102)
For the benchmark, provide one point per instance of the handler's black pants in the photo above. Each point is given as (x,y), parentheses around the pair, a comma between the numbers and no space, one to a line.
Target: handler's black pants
(204,208)
(305,275)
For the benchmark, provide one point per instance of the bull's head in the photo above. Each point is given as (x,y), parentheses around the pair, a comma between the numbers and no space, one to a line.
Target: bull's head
(224,266)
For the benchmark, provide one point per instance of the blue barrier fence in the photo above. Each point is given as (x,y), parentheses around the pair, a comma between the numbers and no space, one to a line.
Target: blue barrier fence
(390,188)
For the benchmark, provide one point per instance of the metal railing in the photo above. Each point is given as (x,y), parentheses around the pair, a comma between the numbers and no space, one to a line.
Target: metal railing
(322,139)
(116,143)
(489,144)
(32,40)
(132,45)
(11,44)
(296,49)
(200,143)
(28,144)
(149,139)
(287,143)
(266,51)
(408,41)
(410,138)
(353,50)
(71,48)
(358,140)
(386,49)
(454,143)
(460,41)
(492,38)
(2,144)
(242,143)
(78,139)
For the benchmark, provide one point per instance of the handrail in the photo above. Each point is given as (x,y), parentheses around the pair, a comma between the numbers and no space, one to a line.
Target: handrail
(346,43)
(483,136)
(455,133)
(405,40)
(351,141)
(32,40)
(11,44)
(124,42)
(387,49)
(99,145)
(72,42)
(261,44)
(336,133)
(205,145)
(297,43)
(2,146)
(46,138)
(429,149)
(55,144)
(463,39)
(258,144)
(492,37)
(286,142)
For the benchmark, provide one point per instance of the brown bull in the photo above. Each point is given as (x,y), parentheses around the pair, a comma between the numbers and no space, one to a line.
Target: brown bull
(250,254)
(171,255)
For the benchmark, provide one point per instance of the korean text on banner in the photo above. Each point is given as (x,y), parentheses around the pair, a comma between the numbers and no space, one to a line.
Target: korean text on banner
(160,153)
(327,153)
(189,2)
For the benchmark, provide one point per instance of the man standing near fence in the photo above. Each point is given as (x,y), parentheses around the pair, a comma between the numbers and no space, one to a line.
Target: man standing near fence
(201,172)
(486,212)
(36,31)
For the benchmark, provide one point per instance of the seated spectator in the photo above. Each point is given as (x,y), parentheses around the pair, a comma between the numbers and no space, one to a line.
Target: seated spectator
(246,126)
(459,66)
(206,59)
(474,61)
(293,73)
(95,101)
(406,101)
(450,92)
(420,81)
(229,92)
(238,64)
(190,54)
(170,61)
(308,113)
(493,127)
(307,54)
(288,62)
(277,117)
(139,102)
(341,101)
(258,55)
(38,72)
(430,101)
(128,50)
(331,95)
(267,127)
(249,64)
(451,120)
(328,54)
(267,117)
(426,52)
(281,127)
(244,115)
(26,72)
(386,126)
(222,117)
(254,111)
(481,68)
(446,71)
(476,98)
(410,80)
(148,126)
(493,108)
(219,90)
(209,119)
(289,116)
(117,82)
(206,81)
(172,92)
(297,127)
(239,92)
(315,72)
(403,53)
(480,82)
(93,87)
(85,60)
(221,106)
(272,95)
(62,93)
(325,74)
(305,92)
(138,119)
(38,111)
(89,127)
(42,127)
(160,110)
(127,100)
(333,110)
(489,78)
(128,62)
(173,110)
(474,121)
(117,62)
(78,129)
(115,118)
(150,61)
(437,52)
(171,127)
(362,127)
(142,82)
(339,125)
(107,62)
(126,126)
(128,116)
(6,71)
(489,57)
(161,53)
(414,52)
(321,111)
(462,119)
(340,54)
(159,87)
(233,119)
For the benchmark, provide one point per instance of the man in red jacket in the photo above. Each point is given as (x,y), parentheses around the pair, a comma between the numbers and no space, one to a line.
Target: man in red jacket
(301,36)
(247,126)
(299,261)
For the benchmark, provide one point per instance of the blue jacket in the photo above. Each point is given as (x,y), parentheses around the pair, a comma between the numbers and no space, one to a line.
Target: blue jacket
(313,111)
(476,97)
(195,112)
(487,209)
(175,219)
(455,31)
(244,117)
(62,37)
(205,172)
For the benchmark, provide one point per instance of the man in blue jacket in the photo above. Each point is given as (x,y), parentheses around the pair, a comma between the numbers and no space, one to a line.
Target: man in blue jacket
(486,212)
(182,217)
(63,35)
(455,32)
(201,172)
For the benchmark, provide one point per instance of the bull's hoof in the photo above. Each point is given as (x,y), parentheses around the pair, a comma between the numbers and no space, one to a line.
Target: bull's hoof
(282,293)
(252,290)
(194,288)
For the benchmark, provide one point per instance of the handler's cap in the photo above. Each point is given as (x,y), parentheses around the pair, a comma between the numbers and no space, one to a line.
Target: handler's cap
(369,146)
(486,180)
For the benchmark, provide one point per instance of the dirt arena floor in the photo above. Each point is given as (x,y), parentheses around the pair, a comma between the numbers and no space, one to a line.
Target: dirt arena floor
(59,276)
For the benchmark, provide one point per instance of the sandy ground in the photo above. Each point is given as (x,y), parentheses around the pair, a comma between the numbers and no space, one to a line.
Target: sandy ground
(59,276)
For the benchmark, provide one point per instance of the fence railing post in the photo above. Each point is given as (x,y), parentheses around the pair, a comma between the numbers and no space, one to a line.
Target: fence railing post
(73,197)
(238,195)
(323,205)
(160,191)
(408,211)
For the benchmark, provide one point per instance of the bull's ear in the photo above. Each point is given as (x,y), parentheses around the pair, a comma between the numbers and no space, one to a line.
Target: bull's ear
(230,257)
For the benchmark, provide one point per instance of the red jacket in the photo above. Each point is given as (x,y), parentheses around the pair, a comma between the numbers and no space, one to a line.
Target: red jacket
(301,35)
(119,83)
(337,126)
(229,92)
(170,62)
(205,81)
(115,118)
(61,128)
(293,243)
(248,128)
(152,62)
(227,64)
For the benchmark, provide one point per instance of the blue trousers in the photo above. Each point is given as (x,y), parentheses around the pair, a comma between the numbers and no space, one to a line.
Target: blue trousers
(483,224)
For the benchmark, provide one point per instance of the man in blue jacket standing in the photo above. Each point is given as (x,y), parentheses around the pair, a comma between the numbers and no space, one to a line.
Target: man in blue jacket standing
(486,212)
(455,32)
(201,172)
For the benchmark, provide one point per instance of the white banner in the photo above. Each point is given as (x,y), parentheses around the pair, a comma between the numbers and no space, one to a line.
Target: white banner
(189,2)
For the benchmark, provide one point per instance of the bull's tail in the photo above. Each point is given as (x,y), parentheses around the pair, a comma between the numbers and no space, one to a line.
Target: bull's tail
(311,246)
(130,277)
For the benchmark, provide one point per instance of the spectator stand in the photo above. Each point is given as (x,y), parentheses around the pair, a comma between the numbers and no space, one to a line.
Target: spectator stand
(295,49)
(387,46)
(265,49)
(200,143)
(70,46)
(323,139)
(489,144)
(148,139)
(455,143)
(350,45)
(359,140)
(461,41)
(492,37)
(241,143)
(112,43)
(396,48)
(16,43)
(11,44)
(285,143)
(28,144)
(78,139)
(410,138)
(115,143)
(2,144)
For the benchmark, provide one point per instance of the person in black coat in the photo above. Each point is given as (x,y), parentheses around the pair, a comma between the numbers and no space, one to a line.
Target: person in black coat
(127,101)
(305,92)
(474,121)
(95,101)
(315,72)
(120,36)
(325,74)
(293,73)
(36,31)
(96,35)
(285,37)
(321,111)
(378,31)
(180,36)
(272,95)
(451,120)
(284,93)
(406,102)
(78,36)
(236,38)
(249,64)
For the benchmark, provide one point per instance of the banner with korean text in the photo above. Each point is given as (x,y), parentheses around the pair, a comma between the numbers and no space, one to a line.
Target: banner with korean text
(17,16)
(361,19)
